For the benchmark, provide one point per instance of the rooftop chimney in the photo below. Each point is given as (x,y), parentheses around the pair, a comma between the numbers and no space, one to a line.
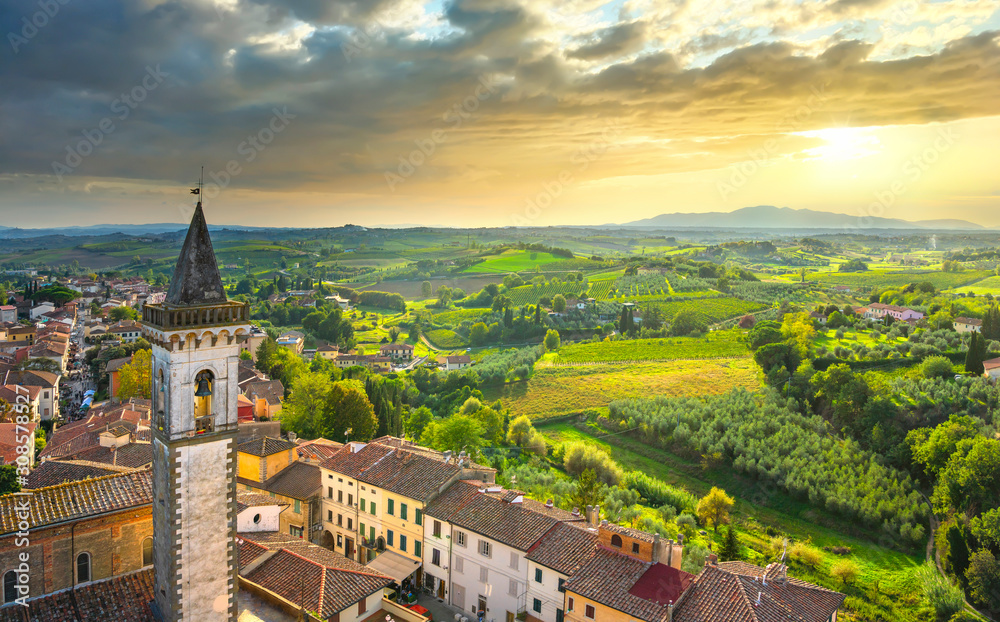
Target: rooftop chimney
(576,511)
(549,503)
(713,559)
(447,457)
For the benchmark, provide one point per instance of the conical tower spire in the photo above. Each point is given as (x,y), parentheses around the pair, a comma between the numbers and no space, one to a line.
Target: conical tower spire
(196,278)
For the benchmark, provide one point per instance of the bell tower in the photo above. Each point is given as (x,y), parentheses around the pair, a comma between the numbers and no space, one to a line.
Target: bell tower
(194,387)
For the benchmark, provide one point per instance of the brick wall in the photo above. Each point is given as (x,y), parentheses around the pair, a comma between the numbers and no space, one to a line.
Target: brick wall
(114,542)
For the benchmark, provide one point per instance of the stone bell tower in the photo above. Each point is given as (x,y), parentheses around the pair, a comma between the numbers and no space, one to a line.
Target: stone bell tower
(194,388)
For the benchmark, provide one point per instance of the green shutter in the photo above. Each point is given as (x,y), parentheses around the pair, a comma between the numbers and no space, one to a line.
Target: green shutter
(416,549)
(372,504)
(402,511)
(419,518)
(392,510)
(298,506)
(362,529)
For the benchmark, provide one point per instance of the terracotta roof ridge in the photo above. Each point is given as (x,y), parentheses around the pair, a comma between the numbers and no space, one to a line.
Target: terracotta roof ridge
(746,598)
(88,480)
(321,595)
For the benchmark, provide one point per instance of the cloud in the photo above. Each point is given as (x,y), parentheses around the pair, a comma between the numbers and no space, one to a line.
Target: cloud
(616,41)
(358,113)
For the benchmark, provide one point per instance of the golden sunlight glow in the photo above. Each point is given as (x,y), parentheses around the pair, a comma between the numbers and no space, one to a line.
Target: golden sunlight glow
(842,143)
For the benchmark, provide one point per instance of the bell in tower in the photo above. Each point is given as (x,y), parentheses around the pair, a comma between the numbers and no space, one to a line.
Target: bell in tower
(195,375)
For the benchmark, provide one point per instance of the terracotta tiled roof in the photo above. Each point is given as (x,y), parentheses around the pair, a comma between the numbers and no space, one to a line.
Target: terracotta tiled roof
(969,321)
(564,548)
(271,391)
(44,379)
(75,500)
(246,500)
(299,480)
(609,578)
(116,364)
(15,393)
(319,449)
(124,598)
(509,523)
(9,435)
(458,358)
(309,575)
(52,472)
(265,446)
(399,471)
(728,592)
(132,455)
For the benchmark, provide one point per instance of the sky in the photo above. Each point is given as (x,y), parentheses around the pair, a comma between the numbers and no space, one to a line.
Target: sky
(316,113)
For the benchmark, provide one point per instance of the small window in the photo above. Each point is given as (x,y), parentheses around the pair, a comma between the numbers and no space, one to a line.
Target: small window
(9,586)
(436,557)
(538,575)
(389,537)
(589,612)
(460,538)
(418,516)
(371,508)
(635,548)
(537,606)
(340,496)
(416,548)
(562,585)
(147,552)
(340,541)
(350,500)
(350,523)
(83,567)
(361,528)
(616,541)
(340,520)
(402,511)
(362,606)
(329,492)
(329,516)
(298,506)
(391,508)
(484,548)
(437,529)
(569,604)
(402,543)
(296,531)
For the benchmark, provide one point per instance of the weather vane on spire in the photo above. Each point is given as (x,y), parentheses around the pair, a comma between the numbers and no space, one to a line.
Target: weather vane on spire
(201,186)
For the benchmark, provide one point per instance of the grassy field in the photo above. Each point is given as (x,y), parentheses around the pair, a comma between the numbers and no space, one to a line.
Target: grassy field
(715,344)
(828,339)
(710,310)
(878,278)
(989,285)
(517,261)
(445,339)
(554,391)
(886,589)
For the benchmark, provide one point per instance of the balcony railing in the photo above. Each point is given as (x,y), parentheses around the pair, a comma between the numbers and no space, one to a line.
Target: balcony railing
(229,312)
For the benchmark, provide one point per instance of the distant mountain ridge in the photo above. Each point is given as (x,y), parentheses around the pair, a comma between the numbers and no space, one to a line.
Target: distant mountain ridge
(771,217)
